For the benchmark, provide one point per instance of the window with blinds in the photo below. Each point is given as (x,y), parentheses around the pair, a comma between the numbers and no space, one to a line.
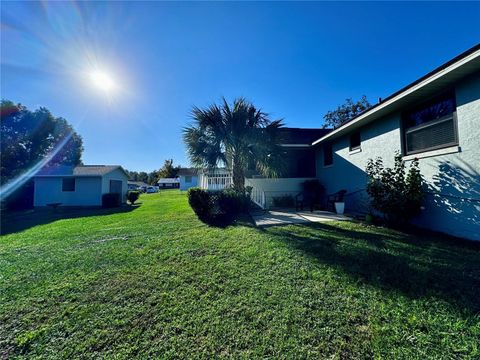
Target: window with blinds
(431,126)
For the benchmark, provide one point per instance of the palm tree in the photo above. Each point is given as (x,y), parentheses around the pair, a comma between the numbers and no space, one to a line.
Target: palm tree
(238,136)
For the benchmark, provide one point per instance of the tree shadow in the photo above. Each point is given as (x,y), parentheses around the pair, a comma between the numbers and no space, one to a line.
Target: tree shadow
(417,265)
(16,221)
(454,197)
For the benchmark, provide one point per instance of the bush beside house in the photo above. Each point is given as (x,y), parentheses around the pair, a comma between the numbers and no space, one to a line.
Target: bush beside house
(218,206)
(133,196)
(396,194)
(111,200)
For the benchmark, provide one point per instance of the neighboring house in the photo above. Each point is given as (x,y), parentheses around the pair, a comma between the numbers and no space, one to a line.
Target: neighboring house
(134,185)
(188,178)
(81,185)
(168,183)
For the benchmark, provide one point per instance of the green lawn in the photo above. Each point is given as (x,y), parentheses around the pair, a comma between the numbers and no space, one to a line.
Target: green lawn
(154,281)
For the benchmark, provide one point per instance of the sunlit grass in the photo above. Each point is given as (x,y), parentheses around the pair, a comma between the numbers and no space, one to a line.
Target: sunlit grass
(156,282)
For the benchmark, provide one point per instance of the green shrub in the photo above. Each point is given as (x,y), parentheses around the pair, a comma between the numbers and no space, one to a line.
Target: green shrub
(284,201)
(212,206)
(394,193)
(133,196)
(199,201)
(233,202)
(110,200)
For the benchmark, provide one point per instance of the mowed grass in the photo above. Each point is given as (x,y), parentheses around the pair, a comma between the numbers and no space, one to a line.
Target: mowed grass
(154,281)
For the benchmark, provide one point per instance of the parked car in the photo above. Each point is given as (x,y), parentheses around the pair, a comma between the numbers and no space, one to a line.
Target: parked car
(151,190)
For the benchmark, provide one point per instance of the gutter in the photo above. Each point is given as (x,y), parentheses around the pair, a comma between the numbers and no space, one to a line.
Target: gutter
(444,69)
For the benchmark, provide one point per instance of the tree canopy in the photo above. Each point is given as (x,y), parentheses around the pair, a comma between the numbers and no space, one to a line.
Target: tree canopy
(151,178)
(345,112)
(29,137)
(234,135)
(168,170)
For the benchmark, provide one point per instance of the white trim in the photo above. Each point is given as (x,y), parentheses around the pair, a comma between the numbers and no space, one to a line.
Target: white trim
(295,145)
(356,151)
(408,91)
(328,166)
(444,151)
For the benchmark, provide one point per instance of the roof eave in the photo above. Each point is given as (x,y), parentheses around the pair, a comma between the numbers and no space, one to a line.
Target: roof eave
(408,90)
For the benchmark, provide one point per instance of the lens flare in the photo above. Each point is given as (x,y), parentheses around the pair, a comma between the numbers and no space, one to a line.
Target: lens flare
(102,81)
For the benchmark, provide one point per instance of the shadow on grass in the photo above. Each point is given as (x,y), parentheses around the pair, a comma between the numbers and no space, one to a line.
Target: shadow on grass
(418,265)
(223,222)
(12,222)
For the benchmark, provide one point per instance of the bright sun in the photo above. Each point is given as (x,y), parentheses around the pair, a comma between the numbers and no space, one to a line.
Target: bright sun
(102,81)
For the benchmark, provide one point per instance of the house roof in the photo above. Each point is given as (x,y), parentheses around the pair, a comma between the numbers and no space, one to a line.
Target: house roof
(81,170)
(138,183)
(440,78)
(167,180)
(187,171)
(301,136)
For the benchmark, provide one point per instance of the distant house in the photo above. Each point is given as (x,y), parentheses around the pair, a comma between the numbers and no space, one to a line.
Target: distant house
(188,178)
(168,183)
(134,185)
(78,186)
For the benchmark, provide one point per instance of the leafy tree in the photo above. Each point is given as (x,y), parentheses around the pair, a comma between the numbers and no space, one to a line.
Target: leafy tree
(345,112)
(148,178)
(143,176)
(31,137)
(234,135)
(168,170)
(396,194)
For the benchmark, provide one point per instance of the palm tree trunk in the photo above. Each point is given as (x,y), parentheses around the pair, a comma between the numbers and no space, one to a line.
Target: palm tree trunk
(238,175)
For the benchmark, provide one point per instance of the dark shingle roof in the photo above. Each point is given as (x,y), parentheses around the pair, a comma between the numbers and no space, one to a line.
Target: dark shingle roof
(299,136)
(187,172)
(81,170)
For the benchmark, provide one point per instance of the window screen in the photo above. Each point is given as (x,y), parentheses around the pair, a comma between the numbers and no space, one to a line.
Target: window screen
(431,126)
(68,184)
(327,155)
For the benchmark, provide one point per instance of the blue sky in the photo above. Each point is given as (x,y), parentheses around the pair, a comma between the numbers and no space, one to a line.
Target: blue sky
(296,61)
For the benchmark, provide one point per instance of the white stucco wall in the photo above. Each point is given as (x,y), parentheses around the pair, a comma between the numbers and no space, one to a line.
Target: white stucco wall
(452,205)
(88,192)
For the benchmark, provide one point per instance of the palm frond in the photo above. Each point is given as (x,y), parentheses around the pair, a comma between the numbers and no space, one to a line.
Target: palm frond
(240,131)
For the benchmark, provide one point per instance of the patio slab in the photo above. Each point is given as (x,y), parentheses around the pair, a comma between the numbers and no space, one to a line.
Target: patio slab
(271,218)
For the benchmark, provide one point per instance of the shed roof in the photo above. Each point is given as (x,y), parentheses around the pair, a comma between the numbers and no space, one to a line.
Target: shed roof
(80,170)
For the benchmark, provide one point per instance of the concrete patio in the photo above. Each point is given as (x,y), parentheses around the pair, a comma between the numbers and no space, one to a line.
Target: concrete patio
(285,217)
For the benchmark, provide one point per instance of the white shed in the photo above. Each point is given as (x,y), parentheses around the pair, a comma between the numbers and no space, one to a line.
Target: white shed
(78,186)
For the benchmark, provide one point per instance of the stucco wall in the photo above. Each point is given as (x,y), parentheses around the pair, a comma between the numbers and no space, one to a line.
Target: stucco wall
(185,186)
(452,204)
(49,190)
(115,175)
